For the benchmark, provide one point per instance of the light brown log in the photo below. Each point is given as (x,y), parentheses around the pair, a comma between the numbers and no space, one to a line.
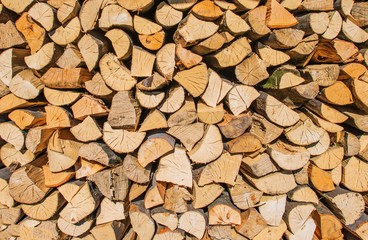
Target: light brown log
(26,85)
(276,111)
(56,179)
(209,147)
(256,18)
(5,197)
(273,183)
(11,216)
(154,41)
(68,10)
(17,7)
(264,129)
(136,6)
(304,50)
(125,111)
(334,25)
(347,206)
(317,5)
(100,153)
(134,171)
(66,78)
(175,168)
(155,194)
(231,55)
(155,147)
(359,88)
(74,230)
(112,183)
(335,51)
(354,174)
(120,140)
(194,80)
(245,143)
(358,13)
(62,151)
(222,170)
(326,112)
(46,56)
(359,228)
(177,198)
(186,58)
(303,193)
(89,106)
(260,165)
(71,57)
(243,195)
(272,209)
(188,135)
(10,156)
(165,60)
(58,117)
(234,126)
(27,184)
(98,87)
(296,214)
(115,74)
(37,138)
(92,48)
(210,115)
(186,115)
(26,119)
(211,44)
(208,11)
(305,232)
(251,224)
(205,195)
(193,222)
(68,34)
(165,217)
(32,32)
(10,133)
(192,30)
(11,36)
(240,97)
(278,16)
(121,43)
(12,62)
(115,16)
(287,156)
(112,230)
(141,220)
(320,179)
(167,16)
(353,32)
(234,23)
(86,131)
(11,102)
(216,89)
(45,209)
(182,5)
(111,211)
(330,158)
(328,225)
(284,78)
(223,212)
(328,126)
(142,62)
(89,13)
(270,232)
(271,56)
(154,120)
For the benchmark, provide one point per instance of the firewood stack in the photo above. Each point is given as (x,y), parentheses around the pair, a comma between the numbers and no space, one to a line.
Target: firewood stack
(183,119)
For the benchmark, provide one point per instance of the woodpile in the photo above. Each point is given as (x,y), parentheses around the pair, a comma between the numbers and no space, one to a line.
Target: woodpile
(183,119)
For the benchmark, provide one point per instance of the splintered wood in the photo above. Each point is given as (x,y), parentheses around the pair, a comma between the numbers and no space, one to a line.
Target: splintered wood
(183,119)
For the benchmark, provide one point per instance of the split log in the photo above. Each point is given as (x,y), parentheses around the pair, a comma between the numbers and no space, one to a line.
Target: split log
(86,131)
(112,230)
(141,220)
(110,211)
(132,5)
(296,214)
(259,165)
(354,174)
(243,195)
(206,11)
(193,222)
(251,224)
(167,16)
(209,147)
(68,10)
(234,126)
(92,48)
(134,171)
(176,199)
(264,129)
(45,209)
(165,61)
(155,194)
(142,62)
(71,58)
(155,147)
(245,143)
(276,111)
(115,74)
(115,16)
(154,120)
(26,119)
(68,34)
(165,217)
(270,232)
(175,168)
(11,35)
(37,139)
(46,56)
(26,85)
(121,42)
(12,62)
(256,18)
(66,78)
(320,179)
(186,115)
(205,195)
(272,208)
(273,183)
(278,16)
(97,87)
(194,80)
(74,230)
(240,97)
(191,30)
(10,156)
(303,193)
(56,179)
(347,206)
(327,224)
(305,232)
(359,227)
(188,135)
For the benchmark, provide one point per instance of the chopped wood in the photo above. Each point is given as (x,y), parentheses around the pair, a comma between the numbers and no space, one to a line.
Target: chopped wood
(183,119)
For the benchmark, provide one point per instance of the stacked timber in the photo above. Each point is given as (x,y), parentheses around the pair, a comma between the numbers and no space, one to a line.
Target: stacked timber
(183,119)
